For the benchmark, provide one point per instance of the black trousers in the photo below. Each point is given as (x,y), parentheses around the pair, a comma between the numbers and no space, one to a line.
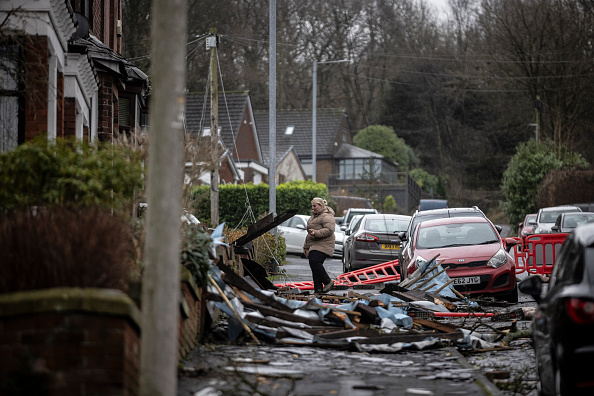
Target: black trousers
(316,263)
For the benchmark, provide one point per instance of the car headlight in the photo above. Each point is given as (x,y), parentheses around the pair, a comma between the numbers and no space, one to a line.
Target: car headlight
(498,259)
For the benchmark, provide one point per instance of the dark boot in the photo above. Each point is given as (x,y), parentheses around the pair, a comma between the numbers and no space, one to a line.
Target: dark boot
(328,286)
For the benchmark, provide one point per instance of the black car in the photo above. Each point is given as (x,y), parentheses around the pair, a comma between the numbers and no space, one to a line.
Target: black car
(563,325)
(374,240)
(420,216)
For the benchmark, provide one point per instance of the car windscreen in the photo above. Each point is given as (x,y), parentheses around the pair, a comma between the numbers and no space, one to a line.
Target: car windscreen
(457,234)
(549,216)
(573,220)
(386,225)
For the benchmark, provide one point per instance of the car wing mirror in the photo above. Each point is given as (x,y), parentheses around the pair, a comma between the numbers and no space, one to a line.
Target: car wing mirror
(532,222)
(555,228)
(347,232)
(510,243)
(532,286)
(498,228)
(300,226)
(402,236)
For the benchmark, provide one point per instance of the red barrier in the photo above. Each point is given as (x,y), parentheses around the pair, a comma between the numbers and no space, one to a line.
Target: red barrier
(540,251)
(519,256)
(377,274)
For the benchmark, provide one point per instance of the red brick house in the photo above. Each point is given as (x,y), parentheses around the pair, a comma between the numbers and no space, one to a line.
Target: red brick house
(61,73)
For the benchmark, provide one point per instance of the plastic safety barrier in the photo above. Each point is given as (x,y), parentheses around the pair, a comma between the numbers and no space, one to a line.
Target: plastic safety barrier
(379,273)
(519,256)
(540,251)
(384,272)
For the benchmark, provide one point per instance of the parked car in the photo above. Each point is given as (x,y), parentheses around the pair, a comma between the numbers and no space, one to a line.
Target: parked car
(429,204)
(525,227)
(472,251)
(563,323)
(566,222)
(294,231)
(338,241)
(373,240)
(351,212)
(407,237)
(545,218)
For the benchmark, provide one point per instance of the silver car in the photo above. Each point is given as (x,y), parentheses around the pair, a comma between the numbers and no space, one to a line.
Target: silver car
(546,217)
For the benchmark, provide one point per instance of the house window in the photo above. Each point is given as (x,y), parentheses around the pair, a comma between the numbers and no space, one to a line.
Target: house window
(9,97)
(358,168)
(307,167)
(124,112)
(289,130)
(206,131)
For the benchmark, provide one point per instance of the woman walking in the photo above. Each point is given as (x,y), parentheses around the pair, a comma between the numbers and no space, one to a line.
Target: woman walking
(319,243)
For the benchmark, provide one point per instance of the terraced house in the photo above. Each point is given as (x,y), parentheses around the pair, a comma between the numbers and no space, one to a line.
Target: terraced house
(61,72)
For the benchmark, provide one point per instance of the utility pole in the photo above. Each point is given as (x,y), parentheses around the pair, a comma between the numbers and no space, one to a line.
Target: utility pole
(211,44)
(165,166)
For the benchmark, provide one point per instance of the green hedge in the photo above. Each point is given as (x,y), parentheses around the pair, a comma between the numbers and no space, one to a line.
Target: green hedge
(234,200)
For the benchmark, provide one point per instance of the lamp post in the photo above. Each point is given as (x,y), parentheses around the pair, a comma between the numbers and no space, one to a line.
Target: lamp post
(535,125)
(314,112)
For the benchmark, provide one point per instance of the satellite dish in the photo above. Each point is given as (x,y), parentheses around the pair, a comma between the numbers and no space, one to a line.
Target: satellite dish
(82,26)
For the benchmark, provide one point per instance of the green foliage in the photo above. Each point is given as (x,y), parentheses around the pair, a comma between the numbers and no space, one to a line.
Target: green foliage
(68,172)
(196,244)
(389,205)
(429,183)
(267,248)
(383,140)
(234,200)
(526,171)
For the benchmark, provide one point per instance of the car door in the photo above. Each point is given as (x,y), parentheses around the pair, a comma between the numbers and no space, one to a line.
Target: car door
(294,231)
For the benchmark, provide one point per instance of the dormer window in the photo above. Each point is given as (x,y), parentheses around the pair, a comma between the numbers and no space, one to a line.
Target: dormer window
(289,130)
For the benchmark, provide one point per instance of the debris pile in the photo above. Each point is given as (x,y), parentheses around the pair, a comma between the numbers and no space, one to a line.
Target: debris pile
(404,315)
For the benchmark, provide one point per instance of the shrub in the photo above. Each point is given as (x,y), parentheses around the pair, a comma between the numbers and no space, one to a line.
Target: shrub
(526,171)
(234,205)
(68,172)
(196,244)
(266,247)
(59,247)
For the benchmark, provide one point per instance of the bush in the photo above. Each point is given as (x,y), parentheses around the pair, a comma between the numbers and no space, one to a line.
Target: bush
(266,247)
(234,203)
(524,174)
(196,244)
(69,173)
(58,247)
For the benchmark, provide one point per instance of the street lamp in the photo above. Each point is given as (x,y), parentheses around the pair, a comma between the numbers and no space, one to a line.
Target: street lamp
(314,115)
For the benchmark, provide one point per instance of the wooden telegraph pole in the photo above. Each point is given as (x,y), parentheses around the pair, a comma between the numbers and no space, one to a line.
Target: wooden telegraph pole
(212,43)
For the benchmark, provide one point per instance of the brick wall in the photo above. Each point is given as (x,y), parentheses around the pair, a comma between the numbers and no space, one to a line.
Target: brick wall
(69,342)
(60,105)
(193,312)
(105,116)
(69,117)
(36,80)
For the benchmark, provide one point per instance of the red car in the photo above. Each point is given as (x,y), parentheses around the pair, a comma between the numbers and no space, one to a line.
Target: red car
(525,228)
(472,251)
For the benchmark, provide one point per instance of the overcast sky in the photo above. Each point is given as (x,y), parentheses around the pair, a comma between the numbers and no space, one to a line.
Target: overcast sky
(439,5)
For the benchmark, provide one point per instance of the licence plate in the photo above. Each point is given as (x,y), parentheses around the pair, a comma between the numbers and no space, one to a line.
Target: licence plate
(469,280)
(390,246)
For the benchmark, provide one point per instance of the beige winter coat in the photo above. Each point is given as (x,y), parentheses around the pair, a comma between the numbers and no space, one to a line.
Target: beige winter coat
(323,236)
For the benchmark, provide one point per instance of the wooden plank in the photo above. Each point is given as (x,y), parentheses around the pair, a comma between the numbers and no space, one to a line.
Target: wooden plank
(391,338)
(269,311)
(233,279)
(443,327)
(340,334)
